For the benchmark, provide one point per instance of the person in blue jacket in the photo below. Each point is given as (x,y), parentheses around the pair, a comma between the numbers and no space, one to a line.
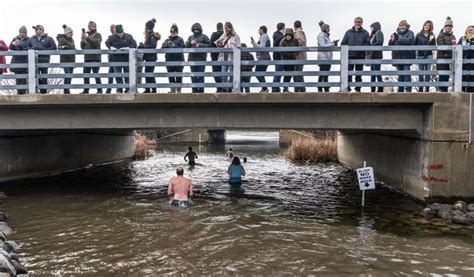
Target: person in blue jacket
(236,171)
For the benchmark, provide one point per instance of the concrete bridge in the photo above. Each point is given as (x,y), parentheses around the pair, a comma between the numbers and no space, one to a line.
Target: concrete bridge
(418,142)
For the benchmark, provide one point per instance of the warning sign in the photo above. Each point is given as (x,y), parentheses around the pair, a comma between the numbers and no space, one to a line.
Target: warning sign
(366,178)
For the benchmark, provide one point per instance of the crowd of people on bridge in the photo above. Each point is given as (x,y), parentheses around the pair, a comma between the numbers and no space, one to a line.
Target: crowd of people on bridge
(225,36)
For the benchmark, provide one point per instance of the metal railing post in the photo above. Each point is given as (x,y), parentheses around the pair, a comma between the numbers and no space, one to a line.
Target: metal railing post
(236,69)
(344,87)
(457,72)
(31,71)
(132,70)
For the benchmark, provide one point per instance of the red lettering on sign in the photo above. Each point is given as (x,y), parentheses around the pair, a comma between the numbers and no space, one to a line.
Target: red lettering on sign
(434,179)
(435,166)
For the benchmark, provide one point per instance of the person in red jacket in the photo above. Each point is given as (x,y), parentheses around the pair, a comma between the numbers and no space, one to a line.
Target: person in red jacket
(3,47)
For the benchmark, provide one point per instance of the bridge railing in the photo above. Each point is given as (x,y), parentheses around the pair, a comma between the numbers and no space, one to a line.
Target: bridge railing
(34,73)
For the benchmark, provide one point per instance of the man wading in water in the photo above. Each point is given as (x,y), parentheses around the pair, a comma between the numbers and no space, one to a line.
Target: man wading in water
(191,155)
(181,189)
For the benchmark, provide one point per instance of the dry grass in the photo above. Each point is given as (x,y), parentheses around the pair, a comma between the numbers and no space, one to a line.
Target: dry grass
(143,148)
(305,149)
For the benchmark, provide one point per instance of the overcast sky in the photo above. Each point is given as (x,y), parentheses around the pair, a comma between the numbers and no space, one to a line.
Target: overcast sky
(246,16)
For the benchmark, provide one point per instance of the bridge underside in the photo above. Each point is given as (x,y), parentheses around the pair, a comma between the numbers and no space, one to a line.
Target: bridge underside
(416,142)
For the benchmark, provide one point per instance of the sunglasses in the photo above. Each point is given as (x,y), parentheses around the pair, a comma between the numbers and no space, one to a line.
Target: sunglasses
(195,29)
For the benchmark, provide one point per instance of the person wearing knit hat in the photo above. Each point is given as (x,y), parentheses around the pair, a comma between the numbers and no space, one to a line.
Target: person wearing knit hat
(445,37)
(150,42)
(66,42)
(174,41)
(323,26)
(20,43)
(150,24)
(324,41)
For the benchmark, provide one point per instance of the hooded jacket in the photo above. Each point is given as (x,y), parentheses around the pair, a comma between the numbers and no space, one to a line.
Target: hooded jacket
(44,42)
(445,39)
(150,43)
(174,42)
(406,37)
(92,41)
(289,43)
(376,39)
(65,43)
(114,41)
(300,36)
(21,46)
(202,41)
(354,37)
(277,37)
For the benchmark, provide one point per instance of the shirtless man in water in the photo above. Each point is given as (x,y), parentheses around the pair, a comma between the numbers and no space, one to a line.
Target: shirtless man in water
(181,189)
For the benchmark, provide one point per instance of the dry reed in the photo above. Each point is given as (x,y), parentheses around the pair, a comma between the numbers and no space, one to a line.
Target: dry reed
(306,149)
(143,146)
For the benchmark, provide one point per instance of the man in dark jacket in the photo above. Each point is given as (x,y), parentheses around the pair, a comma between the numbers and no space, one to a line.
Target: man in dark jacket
(110,80)
(91,40)
(376,39)
(289,41)
(246,56)
(403,37)
(356,36)
(174,41)
(121,40)
(20,43)
(197,40)
(66,42)
(445,37)
(41,41)
(278,35)
(214,56)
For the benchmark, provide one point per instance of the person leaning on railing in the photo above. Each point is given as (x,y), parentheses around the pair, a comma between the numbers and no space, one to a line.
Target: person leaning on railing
(41,41)
(20,43)
(403,37)
(121,40)
(468,40)
(288,41)
(150,42)
(197,40)
(66,42)
(246,56)
(91,40)
(356,36)
(376,39)
(425,37)
(174,41)
(445,37)
(229,39)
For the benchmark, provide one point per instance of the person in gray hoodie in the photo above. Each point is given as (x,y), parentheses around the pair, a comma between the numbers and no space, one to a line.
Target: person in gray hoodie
(41,41)
(445,37)
(376,39)
(356,36)
(197,40)
(263,42)
(403,36)
(66,42)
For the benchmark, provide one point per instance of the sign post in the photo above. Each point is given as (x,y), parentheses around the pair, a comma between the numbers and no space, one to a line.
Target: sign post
(366,180)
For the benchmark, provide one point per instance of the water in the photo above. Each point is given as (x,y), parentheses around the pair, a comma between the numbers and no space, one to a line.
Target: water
(293,219)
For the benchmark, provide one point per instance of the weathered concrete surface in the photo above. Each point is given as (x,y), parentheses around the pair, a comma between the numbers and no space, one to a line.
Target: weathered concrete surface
(186,136)
(29,154)
(424,169)
(216,136)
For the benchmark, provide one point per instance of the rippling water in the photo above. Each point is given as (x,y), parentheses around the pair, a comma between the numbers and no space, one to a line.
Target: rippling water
(292,219)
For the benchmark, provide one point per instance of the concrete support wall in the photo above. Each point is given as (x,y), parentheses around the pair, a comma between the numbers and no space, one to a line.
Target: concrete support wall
(216,136)
(29,154)
(427,170)
(186,136)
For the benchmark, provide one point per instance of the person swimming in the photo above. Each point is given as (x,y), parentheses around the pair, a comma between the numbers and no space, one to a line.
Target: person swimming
(191,155)
(236,171)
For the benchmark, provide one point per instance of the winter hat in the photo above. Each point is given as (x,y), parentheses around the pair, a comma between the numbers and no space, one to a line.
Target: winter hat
(289,31)
(323,26)
(67,29)
(174,28)
(448,22)
(23,30)
(119,28)
(150,25)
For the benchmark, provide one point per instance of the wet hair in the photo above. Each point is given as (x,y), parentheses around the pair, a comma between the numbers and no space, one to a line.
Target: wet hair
(264,29)
(297,24)
(427,22)
(179,171)
(190,148)
(280,26)
(236,161)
